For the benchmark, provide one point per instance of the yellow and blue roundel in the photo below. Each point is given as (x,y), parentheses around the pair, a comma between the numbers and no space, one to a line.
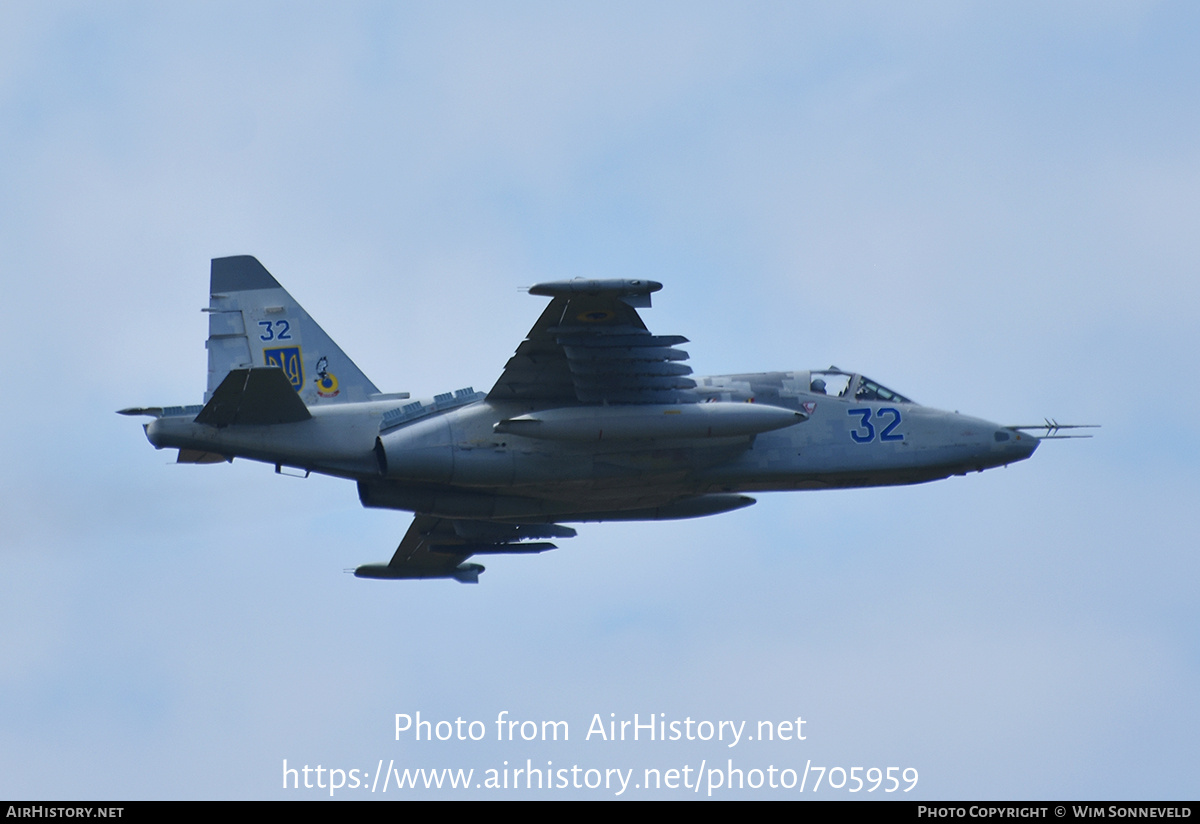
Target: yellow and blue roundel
(288,359)
(327,384)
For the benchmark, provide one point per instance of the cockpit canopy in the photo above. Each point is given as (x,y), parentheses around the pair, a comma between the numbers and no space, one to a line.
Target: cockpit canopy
(836,383)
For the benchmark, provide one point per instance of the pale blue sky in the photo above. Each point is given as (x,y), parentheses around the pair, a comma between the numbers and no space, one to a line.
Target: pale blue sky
(990,208)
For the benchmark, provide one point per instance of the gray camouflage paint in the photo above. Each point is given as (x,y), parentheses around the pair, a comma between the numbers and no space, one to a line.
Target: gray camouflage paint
(588,356)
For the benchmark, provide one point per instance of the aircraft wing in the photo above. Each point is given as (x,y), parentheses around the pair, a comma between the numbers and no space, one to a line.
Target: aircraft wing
(591,347)
(437,547)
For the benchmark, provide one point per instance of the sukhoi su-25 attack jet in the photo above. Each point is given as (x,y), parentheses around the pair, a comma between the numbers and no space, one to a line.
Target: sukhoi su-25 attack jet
(593,419)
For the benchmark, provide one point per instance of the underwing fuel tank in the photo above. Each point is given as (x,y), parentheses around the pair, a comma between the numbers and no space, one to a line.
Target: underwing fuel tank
(720,419)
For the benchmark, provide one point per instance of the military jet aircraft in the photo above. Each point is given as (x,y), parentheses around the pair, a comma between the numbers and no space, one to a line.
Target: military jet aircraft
(593,419)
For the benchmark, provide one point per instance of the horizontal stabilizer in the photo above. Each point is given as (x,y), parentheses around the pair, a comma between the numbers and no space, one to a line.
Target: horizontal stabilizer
(254,397)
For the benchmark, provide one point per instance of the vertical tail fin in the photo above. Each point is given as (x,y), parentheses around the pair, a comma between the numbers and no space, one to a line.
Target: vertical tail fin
(253,321)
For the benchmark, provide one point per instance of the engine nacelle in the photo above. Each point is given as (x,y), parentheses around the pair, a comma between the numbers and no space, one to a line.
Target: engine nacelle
(425,451)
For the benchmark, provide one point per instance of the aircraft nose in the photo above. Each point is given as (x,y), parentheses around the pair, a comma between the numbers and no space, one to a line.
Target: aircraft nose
(1019,445)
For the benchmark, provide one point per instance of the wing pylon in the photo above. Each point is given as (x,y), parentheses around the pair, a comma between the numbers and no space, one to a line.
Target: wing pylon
(439,547)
